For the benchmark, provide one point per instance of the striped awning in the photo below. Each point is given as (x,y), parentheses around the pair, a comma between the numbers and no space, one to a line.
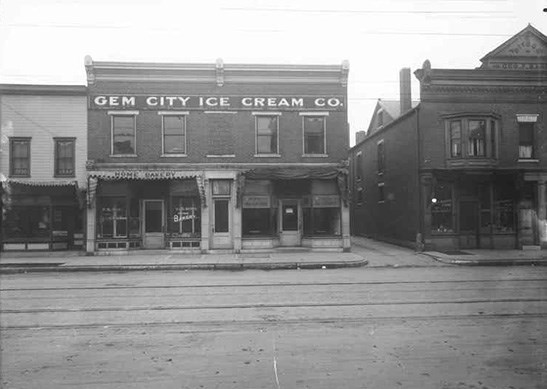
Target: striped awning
(42,183)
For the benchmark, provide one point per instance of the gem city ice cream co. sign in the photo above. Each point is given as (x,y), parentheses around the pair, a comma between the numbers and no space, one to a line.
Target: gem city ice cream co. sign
(333,103)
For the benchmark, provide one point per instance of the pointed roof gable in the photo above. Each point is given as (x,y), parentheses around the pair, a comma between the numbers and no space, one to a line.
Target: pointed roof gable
(527,50)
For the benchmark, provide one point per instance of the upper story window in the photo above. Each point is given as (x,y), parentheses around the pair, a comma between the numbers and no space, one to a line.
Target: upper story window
(381,156)
(64,157)
(526,124)
(20,157)
(173,134)
(359,166)
(124,133)
(267,134)
(470,136)
(314,131)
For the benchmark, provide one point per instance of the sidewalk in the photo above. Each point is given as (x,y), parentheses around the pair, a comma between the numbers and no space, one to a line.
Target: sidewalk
(22,262)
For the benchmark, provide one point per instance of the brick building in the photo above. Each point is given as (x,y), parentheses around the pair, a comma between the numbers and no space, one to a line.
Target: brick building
(202,157)
(467,167)
(42,166)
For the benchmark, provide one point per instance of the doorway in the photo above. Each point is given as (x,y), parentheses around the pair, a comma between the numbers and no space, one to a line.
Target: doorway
(153,223)
(290,223)
(221,233)
(469,224)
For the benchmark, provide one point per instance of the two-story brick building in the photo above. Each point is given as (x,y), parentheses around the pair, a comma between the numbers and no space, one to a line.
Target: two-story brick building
(202,157)
(467,167)
(43,151)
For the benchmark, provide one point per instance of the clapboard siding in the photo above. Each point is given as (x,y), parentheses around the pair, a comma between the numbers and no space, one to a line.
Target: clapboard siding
(43,118)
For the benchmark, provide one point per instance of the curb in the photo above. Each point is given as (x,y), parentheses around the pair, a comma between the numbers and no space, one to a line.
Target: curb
(490,262)
(185,267)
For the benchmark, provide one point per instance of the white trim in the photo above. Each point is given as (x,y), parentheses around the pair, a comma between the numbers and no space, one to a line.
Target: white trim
(530,160)
(315,155)
(227,112)
(123,155)
(313,113)
(221,156)
(173,155)
(256,136)
(267,155)
(527,117)
(126,113)
(174,113)
(381,184)
(163,153)
(266,113)
(380,141)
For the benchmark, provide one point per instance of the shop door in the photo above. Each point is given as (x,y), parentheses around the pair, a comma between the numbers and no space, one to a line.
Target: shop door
(153,224)
(62,227)
(469,224)
(221,233)
(291,234)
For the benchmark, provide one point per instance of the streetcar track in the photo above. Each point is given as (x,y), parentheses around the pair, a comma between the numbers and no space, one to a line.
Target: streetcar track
(281,284)
(269,323)
(254,306)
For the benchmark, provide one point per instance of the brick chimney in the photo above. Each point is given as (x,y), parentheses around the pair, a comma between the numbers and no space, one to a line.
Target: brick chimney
(405,98)
(359,136)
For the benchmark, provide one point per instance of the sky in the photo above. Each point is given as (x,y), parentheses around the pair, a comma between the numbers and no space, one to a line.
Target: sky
(45,41)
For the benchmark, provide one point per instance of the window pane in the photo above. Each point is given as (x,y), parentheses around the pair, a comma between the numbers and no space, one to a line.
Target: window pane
(266,134)
(20,157)
(174,134)
(326,221)
(477,137)
(123,135)
(456,138)
(259,221)
(221,187)
(65,157)
(314,135)
(221,216)
(441,208)
(174,144)
(290,218)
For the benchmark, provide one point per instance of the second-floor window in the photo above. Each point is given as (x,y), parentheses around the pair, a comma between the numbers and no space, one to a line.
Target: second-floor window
(174,134)
(471,137)
(526,140)
(314,134)
(266,134)
(20,157)
(381,156)
(123,135)
(64,157)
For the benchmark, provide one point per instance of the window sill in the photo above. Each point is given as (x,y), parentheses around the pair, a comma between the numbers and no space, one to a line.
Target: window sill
(123,155)
(221,156)
(267,155)
(173,155)
(315,155)
(18,176)
(528,160)
(64,176)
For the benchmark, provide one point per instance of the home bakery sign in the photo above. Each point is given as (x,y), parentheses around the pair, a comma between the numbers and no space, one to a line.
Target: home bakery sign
(175,102)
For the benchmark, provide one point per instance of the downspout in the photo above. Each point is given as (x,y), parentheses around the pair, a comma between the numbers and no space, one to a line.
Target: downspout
(420,219)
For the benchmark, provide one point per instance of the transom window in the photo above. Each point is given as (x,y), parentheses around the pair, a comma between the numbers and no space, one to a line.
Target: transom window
(314,128)
(471,137)
(20,157)
(174,134)
(123,135)
(267,134)
(64,157)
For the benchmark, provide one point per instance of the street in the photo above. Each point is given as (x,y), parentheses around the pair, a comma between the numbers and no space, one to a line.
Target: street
(410,327)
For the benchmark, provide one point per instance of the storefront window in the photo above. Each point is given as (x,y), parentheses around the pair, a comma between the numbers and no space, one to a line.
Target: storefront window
(259,221)
(441,208)
(485,206)
(185,216)
(504,220)
(112,217)
(321,221)
(27,222)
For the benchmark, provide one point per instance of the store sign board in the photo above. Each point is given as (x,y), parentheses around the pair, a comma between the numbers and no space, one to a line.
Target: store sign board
(326,201)
(256,201)
(174,102)
(141,174)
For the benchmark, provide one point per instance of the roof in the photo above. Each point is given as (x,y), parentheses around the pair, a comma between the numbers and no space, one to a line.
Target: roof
(393,107)
(216,72)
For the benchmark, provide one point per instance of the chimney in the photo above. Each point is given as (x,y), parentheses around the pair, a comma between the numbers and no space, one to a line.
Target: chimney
(359,136)
(405,95)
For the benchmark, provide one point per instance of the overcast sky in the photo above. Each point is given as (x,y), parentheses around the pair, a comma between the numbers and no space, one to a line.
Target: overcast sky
(45,41)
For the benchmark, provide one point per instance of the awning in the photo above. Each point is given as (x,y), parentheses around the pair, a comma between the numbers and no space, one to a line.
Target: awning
(111,175)
(44,187)
(42,183)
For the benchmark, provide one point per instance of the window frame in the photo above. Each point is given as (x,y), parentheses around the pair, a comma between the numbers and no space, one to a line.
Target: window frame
(183,114)
(523,121)
(380,157)
(491,138)
(306,115)
(258,115)
(56,141)
(113,115)
(12,140)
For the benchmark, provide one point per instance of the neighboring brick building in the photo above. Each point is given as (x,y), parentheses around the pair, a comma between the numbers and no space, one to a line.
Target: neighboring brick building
(467,167)
(202,157)
(42,166)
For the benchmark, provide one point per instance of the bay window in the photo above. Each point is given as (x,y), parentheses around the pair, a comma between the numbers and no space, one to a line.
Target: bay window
(471,136)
